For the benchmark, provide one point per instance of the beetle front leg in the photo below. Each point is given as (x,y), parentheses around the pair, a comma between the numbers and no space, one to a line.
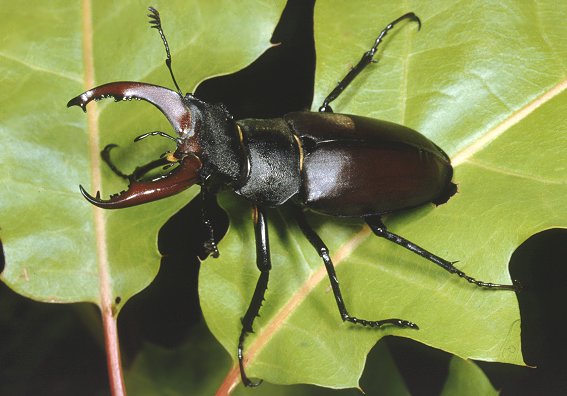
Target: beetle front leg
(264,265)
(323,251)
(380,230)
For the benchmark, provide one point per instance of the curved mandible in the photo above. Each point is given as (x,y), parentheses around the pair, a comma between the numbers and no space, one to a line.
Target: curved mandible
(169,102)
(139,192)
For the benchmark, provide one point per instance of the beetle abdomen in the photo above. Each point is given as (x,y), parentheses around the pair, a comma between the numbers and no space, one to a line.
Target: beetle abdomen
(357,166)
(362,179)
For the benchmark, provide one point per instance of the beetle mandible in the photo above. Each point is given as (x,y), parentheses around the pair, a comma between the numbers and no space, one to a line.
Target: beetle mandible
(335,164)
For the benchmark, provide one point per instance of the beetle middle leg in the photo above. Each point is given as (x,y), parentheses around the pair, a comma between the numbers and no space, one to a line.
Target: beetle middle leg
(139,172)
(323,251)
(264,264)
(367,58)
(379,229)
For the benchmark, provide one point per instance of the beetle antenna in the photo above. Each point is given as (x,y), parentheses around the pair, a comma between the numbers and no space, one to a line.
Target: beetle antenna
(155,133)
(155,21)
(367,58)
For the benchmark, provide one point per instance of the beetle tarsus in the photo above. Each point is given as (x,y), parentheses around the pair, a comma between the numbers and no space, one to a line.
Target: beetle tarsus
(211,249)
(244,378)
(379,229)
(381,323)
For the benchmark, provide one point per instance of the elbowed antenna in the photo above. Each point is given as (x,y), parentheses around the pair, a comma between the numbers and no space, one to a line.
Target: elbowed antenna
(155,21)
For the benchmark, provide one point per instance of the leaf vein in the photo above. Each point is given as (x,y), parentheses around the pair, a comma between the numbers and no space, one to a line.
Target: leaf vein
(480,144)
(41,69)
(510,172)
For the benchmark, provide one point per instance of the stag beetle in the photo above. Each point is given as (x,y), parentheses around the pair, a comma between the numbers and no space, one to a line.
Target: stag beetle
(335,164)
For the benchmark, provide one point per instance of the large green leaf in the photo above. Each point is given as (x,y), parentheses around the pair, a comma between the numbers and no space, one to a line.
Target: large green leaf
(197,366)
(486,81)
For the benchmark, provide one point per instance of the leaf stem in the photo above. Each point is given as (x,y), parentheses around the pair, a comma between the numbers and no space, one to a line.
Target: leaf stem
(108,311)
(112,348)
(230,381)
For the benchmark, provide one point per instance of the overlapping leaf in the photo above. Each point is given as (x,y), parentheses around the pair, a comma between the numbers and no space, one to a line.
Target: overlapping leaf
(487,83)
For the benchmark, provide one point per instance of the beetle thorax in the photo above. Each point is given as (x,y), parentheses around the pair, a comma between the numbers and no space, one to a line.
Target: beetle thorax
(216,142)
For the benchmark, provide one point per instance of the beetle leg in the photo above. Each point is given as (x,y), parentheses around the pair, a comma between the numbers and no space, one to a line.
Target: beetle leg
(367,58)
(264,265)
(380,230)
(208,199)
(139,172)
(323,251)
(105,155)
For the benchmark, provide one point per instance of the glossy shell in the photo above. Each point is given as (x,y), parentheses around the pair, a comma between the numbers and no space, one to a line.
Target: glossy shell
(357,166)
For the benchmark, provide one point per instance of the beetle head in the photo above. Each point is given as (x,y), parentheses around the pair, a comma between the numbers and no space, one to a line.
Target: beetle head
(182,116)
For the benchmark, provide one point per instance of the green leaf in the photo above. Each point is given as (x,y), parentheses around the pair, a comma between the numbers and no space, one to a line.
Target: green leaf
(466,378)
(487,83)
(197,366)
(58,248)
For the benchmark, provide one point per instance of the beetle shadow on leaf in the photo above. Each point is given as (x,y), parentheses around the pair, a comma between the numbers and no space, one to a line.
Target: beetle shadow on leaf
(281,80)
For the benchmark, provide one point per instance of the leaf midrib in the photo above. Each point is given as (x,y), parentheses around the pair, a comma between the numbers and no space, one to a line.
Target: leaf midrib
(506,124)
(105,294)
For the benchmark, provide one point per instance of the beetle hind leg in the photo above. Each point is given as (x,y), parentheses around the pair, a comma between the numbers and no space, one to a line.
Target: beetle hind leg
(380,230)
(323,251)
